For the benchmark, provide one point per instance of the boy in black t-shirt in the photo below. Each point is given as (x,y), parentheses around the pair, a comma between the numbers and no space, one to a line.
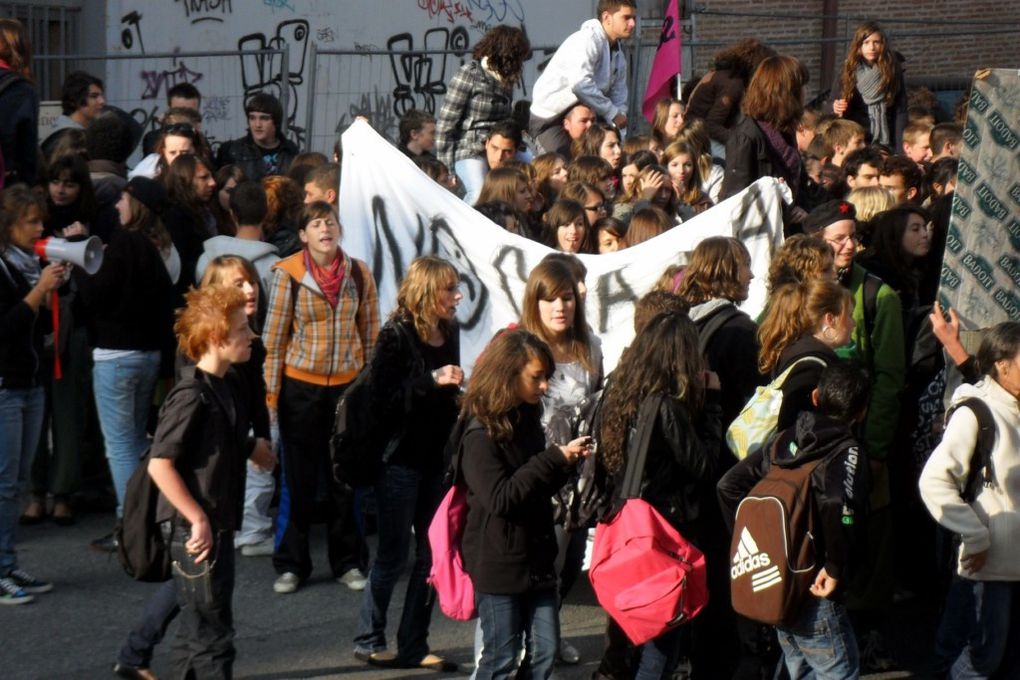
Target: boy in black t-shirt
(197,460)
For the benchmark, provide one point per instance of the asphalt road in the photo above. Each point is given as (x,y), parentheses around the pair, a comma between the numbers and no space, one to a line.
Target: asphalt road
(75,631)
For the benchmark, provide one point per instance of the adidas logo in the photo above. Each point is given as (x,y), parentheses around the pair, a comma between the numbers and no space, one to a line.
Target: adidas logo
(748,559)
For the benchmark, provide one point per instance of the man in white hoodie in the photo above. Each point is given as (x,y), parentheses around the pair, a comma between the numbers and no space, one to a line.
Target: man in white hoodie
(973,493)
(590,68)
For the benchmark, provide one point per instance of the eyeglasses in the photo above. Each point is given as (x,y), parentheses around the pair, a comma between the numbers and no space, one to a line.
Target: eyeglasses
(598,207)
(841,241)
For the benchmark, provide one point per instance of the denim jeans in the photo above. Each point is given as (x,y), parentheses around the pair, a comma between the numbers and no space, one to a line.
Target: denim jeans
(821,644)
(471,172)
(405,499)
(505,619)
(21,416)
(257,525)
(123,390)
(992,629)
(659,656)
(160,610)
(204,647)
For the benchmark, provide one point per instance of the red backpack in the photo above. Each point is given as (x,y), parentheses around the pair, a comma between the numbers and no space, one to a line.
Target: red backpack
(453,586)
(646,576)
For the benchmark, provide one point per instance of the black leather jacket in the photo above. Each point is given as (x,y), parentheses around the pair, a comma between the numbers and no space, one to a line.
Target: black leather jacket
(245,153)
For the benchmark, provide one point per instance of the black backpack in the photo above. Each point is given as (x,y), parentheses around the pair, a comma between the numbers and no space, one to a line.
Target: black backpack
(981,473)
(713,323)
(141,549)
(360,443)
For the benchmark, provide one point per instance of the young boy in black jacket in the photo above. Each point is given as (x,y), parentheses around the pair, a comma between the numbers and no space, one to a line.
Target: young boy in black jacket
(197,460)
(822,638)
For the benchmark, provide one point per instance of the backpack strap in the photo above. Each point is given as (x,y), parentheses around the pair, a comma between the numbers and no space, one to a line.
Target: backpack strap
(7,79)
(782,377)
(981,472)
(870,298)
(714,323)
(637,449)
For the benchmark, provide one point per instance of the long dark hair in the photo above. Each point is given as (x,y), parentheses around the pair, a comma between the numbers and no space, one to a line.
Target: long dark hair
(505,49)
(663,358)
(179,181)
(74,168)
(491,395)
(885,62)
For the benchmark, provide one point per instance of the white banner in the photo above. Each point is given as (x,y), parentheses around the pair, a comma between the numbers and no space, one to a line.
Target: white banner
(391,212)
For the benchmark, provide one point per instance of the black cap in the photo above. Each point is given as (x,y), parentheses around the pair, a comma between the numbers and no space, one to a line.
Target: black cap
(826,214)
(148,192)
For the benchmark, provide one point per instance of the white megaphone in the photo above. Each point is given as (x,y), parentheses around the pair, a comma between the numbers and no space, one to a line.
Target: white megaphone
(87,254)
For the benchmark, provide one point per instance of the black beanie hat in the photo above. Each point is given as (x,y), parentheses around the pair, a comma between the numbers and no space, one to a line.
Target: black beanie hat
(148,192)
(826,214)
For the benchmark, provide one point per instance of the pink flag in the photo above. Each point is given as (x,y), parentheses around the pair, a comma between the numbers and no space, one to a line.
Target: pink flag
(666,66)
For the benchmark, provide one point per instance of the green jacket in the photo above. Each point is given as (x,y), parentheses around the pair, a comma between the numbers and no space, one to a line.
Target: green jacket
(883,355)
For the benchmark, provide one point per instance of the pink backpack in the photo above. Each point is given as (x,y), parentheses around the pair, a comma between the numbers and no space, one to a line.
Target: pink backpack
(646,576)
(454,589)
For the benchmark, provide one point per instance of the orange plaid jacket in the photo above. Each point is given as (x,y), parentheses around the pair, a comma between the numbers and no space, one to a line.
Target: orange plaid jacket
(308,340)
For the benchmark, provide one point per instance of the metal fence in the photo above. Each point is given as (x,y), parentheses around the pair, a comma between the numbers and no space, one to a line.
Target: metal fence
(51,29)
(138,83)
(382,85)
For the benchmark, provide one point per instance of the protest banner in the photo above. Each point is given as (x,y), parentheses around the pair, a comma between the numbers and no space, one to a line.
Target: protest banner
(981,267)
(391,212)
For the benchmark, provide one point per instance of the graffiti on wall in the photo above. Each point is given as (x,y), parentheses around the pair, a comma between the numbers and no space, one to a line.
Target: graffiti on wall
(420,74)
(198,11)
(264,72)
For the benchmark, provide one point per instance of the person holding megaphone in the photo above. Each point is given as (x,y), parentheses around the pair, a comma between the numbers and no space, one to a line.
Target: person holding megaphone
(129,308)
(25,287)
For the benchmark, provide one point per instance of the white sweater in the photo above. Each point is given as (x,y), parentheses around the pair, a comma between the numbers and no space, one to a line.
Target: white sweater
(583,69)
(992,521)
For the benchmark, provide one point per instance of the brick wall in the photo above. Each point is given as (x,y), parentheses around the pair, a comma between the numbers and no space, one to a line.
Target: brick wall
(954,53)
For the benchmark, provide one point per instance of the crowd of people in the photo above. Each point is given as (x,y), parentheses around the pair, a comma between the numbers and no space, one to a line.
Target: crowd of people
(226,301)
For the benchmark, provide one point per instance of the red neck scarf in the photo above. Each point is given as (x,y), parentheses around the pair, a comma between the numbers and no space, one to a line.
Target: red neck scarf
(329,278)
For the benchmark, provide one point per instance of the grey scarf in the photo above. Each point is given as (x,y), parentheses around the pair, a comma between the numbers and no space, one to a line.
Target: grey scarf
(26,263)
(869,84)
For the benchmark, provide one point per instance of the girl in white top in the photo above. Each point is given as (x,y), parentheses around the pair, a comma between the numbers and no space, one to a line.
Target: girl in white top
(987,524)
(553,309)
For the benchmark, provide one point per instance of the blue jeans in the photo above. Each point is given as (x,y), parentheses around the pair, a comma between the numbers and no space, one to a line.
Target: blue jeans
(659,656)
(472,172)
(21,416)
(405,499)
(123,390)
(160,610)
(992,630)
(821,644)
(505,619)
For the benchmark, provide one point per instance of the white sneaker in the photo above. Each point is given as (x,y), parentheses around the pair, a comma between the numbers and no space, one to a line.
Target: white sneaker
(286,583)
(353,579)
(569,653)
(260,549)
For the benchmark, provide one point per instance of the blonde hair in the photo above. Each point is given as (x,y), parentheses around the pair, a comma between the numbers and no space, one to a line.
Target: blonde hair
(418,295)
(869,201)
